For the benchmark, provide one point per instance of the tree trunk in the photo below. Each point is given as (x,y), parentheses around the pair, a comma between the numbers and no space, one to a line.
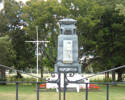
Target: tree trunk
(119,76)
(3,75)
(107,75)
(19,75)
(41,73)
(113,76)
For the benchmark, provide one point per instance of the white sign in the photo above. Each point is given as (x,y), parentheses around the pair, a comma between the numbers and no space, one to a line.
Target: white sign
(67,51)
(39,53)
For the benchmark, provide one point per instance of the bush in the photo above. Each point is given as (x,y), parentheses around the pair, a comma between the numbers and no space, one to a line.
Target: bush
(2,80)
(102,80)
(14,78)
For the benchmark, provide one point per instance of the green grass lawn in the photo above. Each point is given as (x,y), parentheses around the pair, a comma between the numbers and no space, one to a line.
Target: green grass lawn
(29,93)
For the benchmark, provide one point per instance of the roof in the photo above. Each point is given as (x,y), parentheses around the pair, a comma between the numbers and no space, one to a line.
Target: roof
(67,21)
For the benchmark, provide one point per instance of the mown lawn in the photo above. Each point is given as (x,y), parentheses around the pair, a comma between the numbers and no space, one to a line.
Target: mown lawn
(29,93)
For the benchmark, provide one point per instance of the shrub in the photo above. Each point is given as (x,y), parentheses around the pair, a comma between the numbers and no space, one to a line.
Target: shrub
(101,80)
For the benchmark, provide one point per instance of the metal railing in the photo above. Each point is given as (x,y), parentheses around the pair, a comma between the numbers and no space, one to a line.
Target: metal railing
(66,81)
(17,87)
(86,90)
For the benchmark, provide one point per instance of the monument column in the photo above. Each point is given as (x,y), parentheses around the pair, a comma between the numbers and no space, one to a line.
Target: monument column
(67,56)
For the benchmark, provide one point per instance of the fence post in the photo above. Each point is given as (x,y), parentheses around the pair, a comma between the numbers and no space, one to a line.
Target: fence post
(37,90)
(64,97)
(59,85)
(86,91)
(16,90)
(107,91)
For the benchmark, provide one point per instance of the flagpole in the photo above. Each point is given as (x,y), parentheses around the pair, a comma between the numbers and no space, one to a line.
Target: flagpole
(37,51)
(37,54)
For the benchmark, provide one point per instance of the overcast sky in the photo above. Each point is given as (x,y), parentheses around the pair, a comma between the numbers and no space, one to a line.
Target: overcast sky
(24,1)
(1,5)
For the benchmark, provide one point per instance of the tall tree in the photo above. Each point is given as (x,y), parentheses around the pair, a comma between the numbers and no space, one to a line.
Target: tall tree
(121,8)
(106,42)
(7,55)
(12,24)
(45,15)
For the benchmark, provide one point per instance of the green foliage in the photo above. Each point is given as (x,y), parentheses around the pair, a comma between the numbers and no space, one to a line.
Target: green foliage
(24,52)
(14,78)
(6,51)
(121,9)
(45,15)
(100,28)
(106,40)
(102,80)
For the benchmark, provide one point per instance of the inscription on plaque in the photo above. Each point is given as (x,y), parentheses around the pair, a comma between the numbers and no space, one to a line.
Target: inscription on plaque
(68,69)
(67,51)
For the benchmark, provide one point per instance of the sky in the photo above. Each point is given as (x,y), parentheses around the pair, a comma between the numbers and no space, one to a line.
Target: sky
(24,1)
(1,4)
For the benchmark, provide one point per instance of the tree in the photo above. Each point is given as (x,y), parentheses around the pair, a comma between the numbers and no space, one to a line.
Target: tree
(45,15)
(121,8)
(7,20)
(6,54)
(106,42)
(24,52)
(12,24)
(88,14)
